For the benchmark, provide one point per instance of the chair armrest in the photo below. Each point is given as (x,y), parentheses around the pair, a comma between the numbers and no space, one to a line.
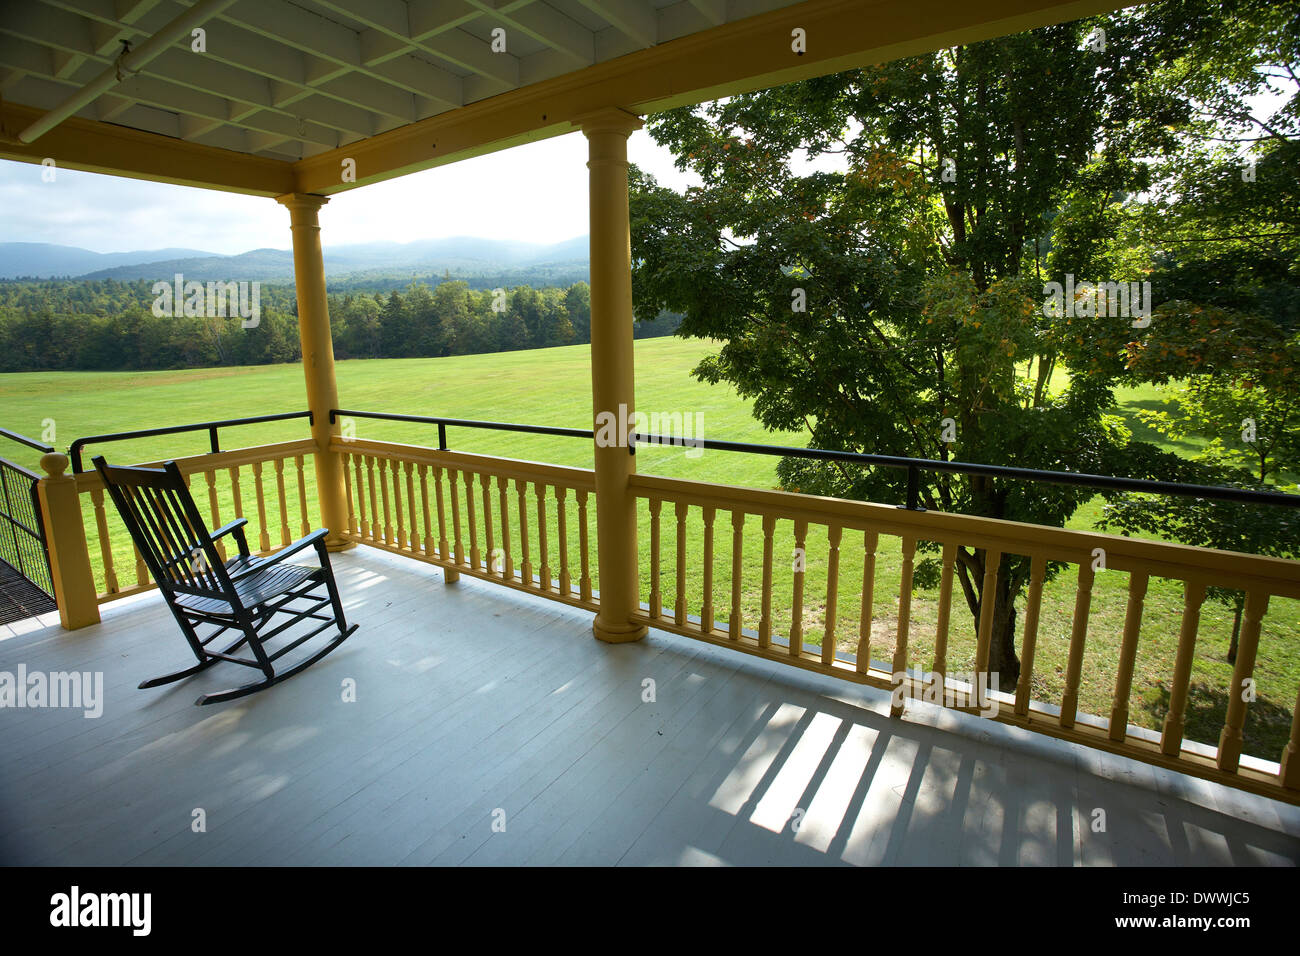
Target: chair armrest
(237,527)
(317,538)
(229,527)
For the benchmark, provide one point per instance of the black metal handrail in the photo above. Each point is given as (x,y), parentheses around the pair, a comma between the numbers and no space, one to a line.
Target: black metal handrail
(442,424)
(24,549)
(74,451)
(24,440)
(914,466)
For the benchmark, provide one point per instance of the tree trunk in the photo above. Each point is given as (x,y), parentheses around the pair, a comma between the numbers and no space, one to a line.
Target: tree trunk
(1002,641)
(1004,665)
(1236,630)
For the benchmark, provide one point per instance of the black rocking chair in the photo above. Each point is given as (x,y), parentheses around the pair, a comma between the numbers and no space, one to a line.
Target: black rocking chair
(241,594)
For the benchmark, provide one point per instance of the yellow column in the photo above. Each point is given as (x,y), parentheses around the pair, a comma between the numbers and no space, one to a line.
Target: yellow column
(612,374)
(65,539)
(318,359)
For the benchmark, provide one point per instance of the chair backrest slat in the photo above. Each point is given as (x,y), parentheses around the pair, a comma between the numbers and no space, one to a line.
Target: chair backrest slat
(167,528)
(141,523)
(179,544)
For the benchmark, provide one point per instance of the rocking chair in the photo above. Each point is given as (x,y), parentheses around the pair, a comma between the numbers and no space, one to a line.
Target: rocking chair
(241,594)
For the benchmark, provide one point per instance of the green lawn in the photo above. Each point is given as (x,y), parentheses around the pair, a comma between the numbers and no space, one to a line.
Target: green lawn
(552,387)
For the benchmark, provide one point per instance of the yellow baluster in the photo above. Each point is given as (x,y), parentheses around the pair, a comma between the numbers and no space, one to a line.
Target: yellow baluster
(870,541)
(706,604)
(833,535)
(1171,739)
(1137,589)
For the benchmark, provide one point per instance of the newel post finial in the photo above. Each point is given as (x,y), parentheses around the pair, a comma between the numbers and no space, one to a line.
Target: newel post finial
(54,464)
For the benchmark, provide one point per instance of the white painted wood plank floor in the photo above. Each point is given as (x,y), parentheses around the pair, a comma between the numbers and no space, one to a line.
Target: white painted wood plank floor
(475,704)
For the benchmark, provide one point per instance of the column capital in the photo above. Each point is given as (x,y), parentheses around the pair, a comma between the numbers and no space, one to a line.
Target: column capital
(608,119)
(298,202)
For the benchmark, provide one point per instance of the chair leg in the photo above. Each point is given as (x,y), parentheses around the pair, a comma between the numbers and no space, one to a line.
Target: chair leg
(252,688)
(202,665)
(191,638)
(272,677)
(249,628)
(335,600)
(264,614)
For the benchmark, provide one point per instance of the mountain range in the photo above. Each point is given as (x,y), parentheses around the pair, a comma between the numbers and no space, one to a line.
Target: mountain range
(456,255)
(45,260)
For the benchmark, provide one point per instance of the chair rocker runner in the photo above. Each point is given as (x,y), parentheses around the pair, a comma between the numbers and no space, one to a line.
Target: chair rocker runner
(240,595)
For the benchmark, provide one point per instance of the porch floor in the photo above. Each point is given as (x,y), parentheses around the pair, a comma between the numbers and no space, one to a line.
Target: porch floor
(476,704)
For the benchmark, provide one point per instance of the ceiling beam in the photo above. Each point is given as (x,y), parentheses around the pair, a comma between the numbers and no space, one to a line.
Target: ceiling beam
(388,20)
(630,17)
(544,24)
(205,106)
(334,50)
(430,17)
(470,53)
(103,148)
(715,11)
(129,62)
(209,76)
(238,65)
(742,56)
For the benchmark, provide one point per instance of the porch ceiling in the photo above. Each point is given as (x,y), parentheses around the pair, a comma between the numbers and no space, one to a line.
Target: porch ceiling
(286,91)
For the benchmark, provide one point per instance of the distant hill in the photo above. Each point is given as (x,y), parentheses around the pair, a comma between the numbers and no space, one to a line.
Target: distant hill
(461,254)
(46,260)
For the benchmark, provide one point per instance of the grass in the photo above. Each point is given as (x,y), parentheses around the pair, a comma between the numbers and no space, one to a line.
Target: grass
(552,387)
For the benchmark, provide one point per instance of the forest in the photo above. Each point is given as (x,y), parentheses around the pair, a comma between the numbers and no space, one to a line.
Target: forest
(107,324)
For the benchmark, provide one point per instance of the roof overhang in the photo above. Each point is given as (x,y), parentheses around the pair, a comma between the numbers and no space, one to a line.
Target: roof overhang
(210,106)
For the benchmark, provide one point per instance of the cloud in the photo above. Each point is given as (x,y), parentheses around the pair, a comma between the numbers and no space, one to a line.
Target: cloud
(534,193)
(115,214)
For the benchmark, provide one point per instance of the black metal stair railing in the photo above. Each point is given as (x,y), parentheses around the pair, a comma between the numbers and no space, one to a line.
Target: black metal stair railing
(26,585)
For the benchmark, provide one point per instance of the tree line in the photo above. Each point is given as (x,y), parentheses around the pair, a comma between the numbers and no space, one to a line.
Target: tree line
(109,325)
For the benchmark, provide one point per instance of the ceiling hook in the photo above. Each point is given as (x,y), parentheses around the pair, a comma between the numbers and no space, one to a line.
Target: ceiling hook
(117,64)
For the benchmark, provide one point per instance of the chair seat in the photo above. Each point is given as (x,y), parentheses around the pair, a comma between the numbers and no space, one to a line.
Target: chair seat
(243,562)
(258,588)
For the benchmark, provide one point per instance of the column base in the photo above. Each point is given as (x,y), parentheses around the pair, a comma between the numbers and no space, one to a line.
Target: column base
(1229,750)
(1290,772)
(617,633)
(339,544)
(78,618)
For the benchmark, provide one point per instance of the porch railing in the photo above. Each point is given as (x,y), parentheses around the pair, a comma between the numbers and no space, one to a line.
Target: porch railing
(270,485)
(529,526)
(714,506)
(517,523)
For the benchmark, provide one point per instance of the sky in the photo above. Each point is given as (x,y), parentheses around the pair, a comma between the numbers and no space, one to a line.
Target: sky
(533,193)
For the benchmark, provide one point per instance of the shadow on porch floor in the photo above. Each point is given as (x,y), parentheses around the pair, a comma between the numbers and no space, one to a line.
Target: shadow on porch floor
(476,705)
